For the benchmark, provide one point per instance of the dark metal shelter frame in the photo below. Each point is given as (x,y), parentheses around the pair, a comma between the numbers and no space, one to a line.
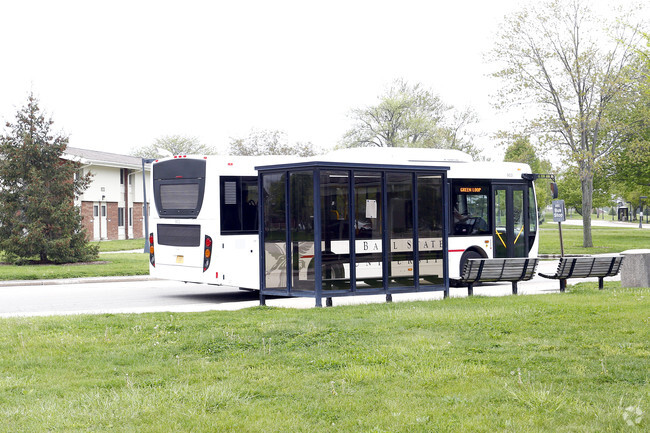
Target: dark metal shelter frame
(301,211)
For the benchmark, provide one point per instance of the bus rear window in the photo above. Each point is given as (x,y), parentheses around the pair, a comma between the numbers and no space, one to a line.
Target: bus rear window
(178,187)
(183,196)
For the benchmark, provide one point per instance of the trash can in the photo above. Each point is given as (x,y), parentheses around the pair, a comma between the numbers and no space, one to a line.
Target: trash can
(635,269)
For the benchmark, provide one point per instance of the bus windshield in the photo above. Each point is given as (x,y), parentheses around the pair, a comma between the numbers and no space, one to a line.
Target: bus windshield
(471,209)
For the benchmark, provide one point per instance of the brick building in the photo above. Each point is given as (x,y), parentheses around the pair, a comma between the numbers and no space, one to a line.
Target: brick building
(112,207)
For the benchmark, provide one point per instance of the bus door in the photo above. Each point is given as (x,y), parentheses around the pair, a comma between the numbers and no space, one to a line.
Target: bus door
(510,213)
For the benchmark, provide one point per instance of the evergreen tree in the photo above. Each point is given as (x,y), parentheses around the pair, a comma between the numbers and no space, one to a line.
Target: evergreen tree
(37,189)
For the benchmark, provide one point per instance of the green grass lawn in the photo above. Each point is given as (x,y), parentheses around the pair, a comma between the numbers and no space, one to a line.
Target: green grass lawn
(605,239)
(120,245)
(116,264)
(573,362)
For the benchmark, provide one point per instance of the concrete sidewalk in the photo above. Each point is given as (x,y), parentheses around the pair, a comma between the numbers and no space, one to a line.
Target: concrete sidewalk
(606,223)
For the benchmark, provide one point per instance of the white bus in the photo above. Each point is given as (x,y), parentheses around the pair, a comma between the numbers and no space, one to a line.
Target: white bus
(204,221)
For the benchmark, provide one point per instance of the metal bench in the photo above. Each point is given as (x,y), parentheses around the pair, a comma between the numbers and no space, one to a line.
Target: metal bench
(585,267)
(495,270)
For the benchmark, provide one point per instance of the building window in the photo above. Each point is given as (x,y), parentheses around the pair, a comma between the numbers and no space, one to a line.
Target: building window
(95,211)
(120,217)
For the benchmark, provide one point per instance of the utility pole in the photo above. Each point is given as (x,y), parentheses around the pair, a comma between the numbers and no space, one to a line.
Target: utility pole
(641,203)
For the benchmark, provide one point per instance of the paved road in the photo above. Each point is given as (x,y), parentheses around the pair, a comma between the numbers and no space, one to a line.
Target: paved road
(138,295)
(141,295)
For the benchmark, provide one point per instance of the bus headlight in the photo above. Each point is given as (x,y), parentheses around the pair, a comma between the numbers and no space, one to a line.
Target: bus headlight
(207,253)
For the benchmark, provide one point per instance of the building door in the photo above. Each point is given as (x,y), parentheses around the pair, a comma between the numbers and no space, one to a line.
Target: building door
(96,231)
(510,226)
(103,222)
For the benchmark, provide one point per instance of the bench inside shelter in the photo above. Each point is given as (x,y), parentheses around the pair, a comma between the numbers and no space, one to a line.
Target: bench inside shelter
(496,270)
(586,267)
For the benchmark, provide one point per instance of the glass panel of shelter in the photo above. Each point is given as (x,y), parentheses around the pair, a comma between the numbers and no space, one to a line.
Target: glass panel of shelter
(335,230)
(430,229)
(301,226)
(275,241)
(399,193)
(368,229)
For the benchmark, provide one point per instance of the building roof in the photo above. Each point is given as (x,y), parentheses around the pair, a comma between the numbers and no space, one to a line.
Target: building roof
(96,157)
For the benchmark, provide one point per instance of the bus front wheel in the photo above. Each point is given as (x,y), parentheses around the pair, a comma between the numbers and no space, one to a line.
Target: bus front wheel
(469,254)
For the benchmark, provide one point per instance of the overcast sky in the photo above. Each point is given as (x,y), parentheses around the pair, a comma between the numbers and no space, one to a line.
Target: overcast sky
(116,75)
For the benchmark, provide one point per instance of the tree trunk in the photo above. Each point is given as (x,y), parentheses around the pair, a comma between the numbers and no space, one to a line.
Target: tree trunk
(587,182)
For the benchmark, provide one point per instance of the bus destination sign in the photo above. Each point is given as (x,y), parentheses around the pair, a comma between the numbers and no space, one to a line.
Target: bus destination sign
(474,189)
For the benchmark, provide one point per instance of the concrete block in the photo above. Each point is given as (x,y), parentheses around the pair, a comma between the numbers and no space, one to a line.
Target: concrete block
(635,269)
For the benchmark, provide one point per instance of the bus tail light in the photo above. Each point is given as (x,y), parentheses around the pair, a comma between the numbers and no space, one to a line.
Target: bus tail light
(152,258)
(207,253)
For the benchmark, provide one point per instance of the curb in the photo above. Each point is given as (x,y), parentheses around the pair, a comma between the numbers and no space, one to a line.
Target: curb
(62,281)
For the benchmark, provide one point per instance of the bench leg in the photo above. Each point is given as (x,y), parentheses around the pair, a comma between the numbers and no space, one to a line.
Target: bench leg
(600,283)
(389,298)
(470,289)
(562,286)
(514,287)
(328,302)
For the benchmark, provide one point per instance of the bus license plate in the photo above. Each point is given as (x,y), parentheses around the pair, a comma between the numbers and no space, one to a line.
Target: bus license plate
(179,259)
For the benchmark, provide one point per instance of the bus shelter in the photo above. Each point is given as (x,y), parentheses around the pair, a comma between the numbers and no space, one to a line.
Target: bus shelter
(338,229)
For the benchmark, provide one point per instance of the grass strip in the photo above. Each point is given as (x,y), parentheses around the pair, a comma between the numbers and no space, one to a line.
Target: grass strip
(114,264)
(605,239)
(573,362)
(120,245)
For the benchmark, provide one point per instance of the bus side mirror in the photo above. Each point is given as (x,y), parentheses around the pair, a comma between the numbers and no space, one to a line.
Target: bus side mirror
(554,190)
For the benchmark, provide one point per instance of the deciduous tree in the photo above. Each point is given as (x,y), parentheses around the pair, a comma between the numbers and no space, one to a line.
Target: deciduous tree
(573,69)
(174,145)
(521,150)
(269,142)
(410,116)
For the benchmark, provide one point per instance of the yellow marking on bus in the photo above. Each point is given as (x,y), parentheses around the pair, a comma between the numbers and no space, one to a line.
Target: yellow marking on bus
(500,238)
(517,238)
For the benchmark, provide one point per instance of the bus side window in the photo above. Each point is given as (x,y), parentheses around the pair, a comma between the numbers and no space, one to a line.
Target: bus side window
(230,220)
(250,199)
(239,198)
